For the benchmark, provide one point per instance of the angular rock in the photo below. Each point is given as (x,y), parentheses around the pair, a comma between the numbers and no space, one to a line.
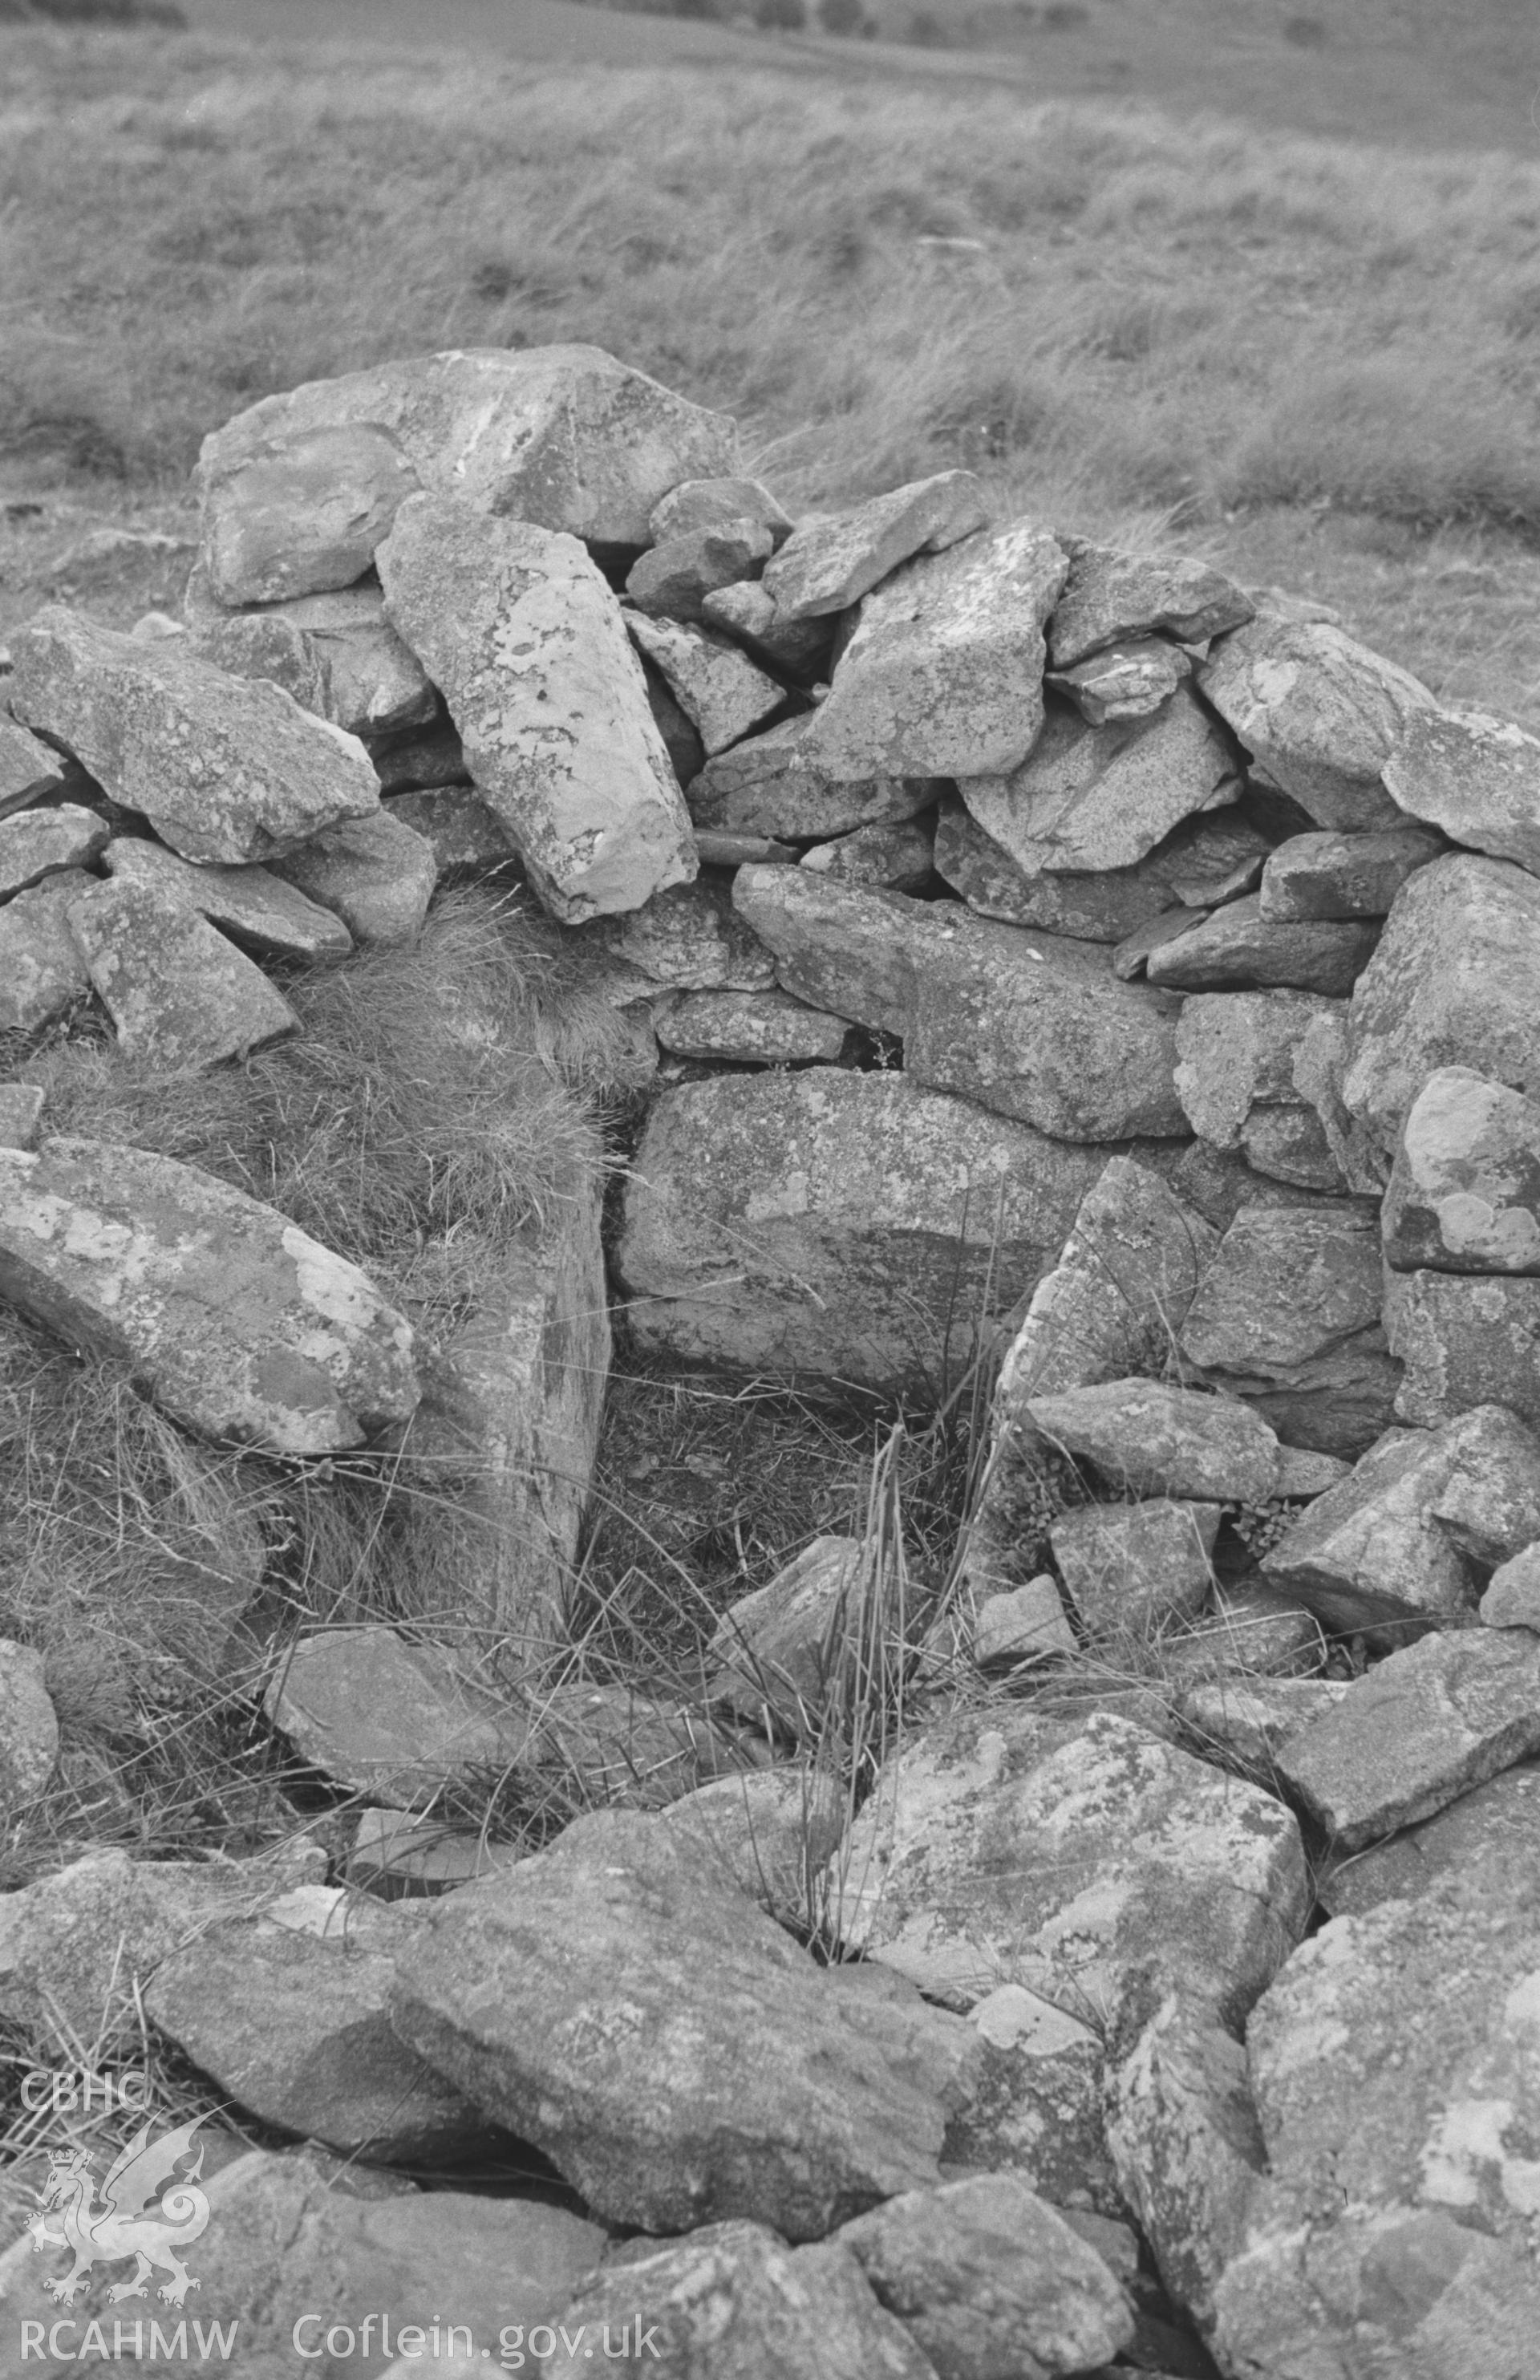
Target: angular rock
(179,994)
(27,768)
(773,1652)
(1209,857)
(225,767)
(466,838)
(773,786)
(373,873)
(295,2030)
(1124,1853)
(1036,2109)
(1491,1833)
(673,579)
(527,643)
(35,843)
(1512,1599)
(1032,1025)
(1027,1625)
(336,653)
(1417,1731)
(1401,1544)
(1327,876)
(831,560)
(1287,1316)
(1476,777)
(1133,1568)
(395,1720)
(422,756)
(768,1832)
(991,2280)
(1464,1191)
(681,739)
(749,1028)
(1128,681)
(1111,595)
(1149,1439)
(1102,797)
(1465,1341)
(1319,713)
(730,2302)
(20,1106)
(42,972)
(1454,983)
(1238,948)
(842,1224)
(724,849)
(239,1323)
(594,1744)
(718,688)
(561,436)
(399,1855)
(29,1727)
(895,855)
(675,2053)
(691,938)
(301,512)
(710,503)
(1254,1718)
(1253,1629)
(944,675)
(257,909)
(799,647)
(1236,1053)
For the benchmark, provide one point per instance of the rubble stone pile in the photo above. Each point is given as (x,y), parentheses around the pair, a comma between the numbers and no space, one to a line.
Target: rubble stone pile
(1034,947)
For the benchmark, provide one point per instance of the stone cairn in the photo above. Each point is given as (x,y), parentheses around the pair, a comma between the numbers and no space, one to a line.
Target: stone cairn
(1046,942)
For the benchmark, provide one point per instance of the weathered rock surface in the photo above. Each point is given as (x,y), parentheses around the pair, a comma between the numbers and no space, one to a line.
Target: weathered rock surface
(34,844)
(395,1720)
(837,1223)
(1134,1567)
(1238,947)
(1512,1597)
(373,873)
(29,1727)
(830,561)
(1237,1052)
(21,1107)
(466,838)
(1417,1731)
(692,937)
(720,691)
(1211,857)
(1250,1629)
(1149,1439)
(1476,777)
(27,768)
(528,646)
(593,1744)
(673,580)
(1032,1026)
(991,2280)
(179,994)
(1329,876)
(257,909)
(237,1323)
(1101,797)
(561,436)
(294,514)
(225,769)
(748,1028)
(773,1652)
(42,972)
(1454,983)
(1110,594)
(1464,1340)
(1254,1718)
(1401,1545)
(799,647)
(712,504)
(1127,681)
(1319,713)
(1491,1833)
(672,2049)
(1122,1852)
(944,675)
(894,856)
(1036,2109)
(1287,1316)
(1028,1623)
(765,1831)
(1464,1191)
(772,784)
(336,653)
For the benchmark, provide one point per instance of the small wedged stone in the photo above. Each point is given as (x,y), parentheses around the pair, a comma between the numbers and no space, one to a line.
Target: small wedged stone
(1319,713)
(691,938)
(773,1652)
(673,579)
(237,1323)
(1476,777)
(177,992)
(254,907)
(709,504)
(1237,947)
(800,649)
(1465,1190)
(1028,1623)
(1254,1717)
(943,674)
(35,843)
(1111,595)
(894,856)
(295,513)
(771,785)
(1035,2107)
(1338,875)
(43,973)
(1127,681)
(1149,1439)
(718,690)
(225,769)
(336,653)
(520,629)
(1089,798)
(1130,1569)
(719,847)
(1250,1629)
(1401,1544)
(831,560)
(426,757)
(1475,1843)
(373,873)
(563,437)
(1465,1341)
(748,1028)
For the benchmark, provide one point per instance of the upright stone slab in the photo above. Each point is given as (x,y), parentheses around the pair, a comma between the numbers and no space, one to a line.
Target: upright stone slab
(830,561)
(1110,594)
(521,632)
(179,994)
(1476,777)
(225,769)
(561,436)
(1464,1191)
(239,1323)
(944,675)
(1318,712)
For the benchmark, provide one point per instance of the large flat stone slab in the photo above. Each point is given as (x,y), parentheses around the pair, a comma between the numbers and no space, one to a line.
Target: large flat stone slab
(225,769)
(397,1720)
(1318,712)
(521,632)
(239,1323)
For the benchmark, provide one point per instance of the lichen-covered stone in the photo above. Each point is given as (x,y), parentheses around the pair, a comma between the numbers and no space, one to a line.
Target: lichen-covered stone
(35,843)
(1319,714)
(774,1651)
(1127,681)
(748,1028)
(1110,594)
(1326,876)
(179,994)
(1134,1568)
(833,559)
(255,908)
(691,938)
(29,1727)
(1476,777)
(1464,1191)
(893,855)
(718,688)
(42,971)
(26,766)
(710,503)
(1211,857)
(768,1831)
(1512,1599)
(673,580)
(1463,1340)
(1254,1717)
(398,1721)
(1149,1439)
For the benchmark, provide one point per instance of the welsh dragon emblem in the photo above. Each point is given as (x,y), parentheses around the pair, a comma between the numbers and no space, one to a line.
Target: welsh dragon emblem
(124,2221)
